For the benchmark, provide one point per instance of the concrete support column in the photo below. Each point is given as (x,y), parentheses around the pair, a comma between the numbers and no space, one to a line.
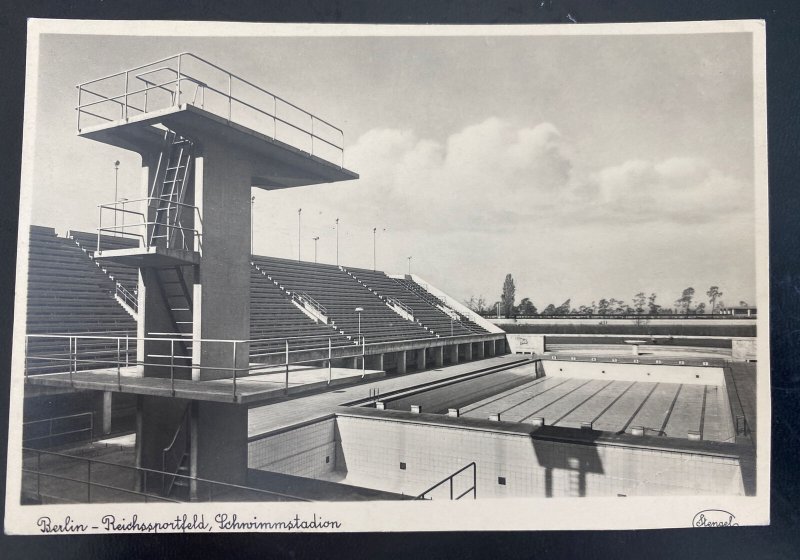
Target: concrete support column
(401,361)
(218,449)
(467,352)
(500,346)
(481,350)
(375,362)
(107,398)
(420,359)
(438,356)
(221,299)
(491,349)
(454,354)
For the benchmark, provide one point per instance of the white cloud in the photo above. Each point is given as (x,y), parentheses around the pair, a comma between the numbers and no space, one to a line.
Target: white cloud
(494,175)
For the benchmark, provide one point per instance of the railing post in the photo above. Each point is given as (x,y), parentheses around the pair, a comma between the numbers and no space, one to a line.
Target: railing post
(71,363)
(286,387)
(230,96)
(177,100)
(274,118)
(330,359)
(126,342)
(80,91)
(234,370)
(26,358)
(100,229)
(39,474)
(172,365)
(474,481)
(363,356)
(119,379)
(451,487)
(88,481)
(125,107)
(312,135)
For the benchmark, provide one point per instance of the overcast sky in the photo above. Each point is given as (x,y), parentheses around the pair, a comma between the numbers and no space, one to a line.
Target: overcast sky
(587,167)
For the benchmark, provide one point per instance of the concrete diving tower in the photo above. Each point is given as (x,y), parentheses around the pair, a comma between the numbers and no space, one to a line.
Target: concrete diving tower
(205,137)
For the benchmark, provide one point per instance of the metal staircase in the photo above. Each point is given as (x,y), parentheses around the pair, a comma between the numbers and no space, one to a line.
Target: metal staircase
(177,297)
(168,191)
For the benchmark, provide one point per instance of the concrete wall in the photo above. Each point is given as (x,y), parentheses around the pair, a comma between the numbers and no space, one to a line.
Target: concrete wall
(373,450)
(612,321)
(526,343)
(308,451)
(743,349)
(690,375)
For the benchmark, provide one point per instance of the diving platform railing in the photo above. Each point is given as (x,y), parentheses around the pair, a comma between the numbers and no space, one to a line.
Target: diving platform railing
(177,236)
(111,362)
(187,79)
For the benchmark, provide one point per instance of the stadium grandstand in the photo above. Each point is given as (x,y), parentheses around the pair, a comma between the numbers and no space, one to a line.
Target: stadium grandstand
(166,362)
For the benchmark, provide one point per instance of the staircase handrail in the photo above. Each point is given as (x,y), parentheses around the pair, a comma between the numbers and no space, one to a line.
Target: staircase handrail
(313,302)
(400,304)
(473,489)
(169,453)
(128,297)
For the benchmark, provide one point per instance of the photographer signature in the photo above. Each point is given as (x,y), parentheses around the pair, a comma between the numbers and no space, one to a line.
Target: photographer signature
(714,518)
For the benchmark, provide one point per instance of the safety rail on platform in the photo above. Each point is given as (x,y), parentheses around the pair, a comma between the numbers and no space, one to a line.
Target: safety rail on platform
(126,94)
(120,353)
(451,479)
(141,228)
(50,435)
(146,484)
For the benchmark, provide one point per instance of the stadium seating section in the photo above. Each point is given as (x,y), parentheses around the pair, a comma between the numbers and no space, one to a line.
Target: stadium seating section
(69,293)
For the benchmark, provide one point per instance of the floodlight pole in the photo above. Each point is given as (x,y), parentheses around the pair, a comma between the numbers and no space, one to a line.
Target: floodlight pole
(299,211)
(409,266)
(374,230)
(315,248)
(337,241)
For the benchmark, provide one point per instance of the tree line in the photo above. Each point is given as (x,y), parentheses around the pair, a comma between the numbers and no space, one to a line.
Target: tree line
(640,304)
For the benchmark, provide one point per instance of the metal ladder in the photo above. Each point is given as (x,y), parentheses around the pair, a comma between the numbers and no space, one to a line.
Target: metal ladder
(169,190)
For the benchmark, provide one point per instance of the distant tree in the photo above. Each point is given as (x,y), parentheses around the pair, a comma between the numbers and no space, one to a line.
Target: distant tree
(652,306)
(563,309)
(549,310)
(685,301)
(638,302)
(526,307)
(507,298)
(603,306)
(742,303)
(701,308)
(477,304)
(713,294)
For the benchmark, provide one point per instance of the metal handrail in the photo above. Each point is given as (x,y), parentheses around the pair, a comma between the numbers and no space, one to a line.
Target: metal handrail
(145,471)
(128,297)
(50,435)
(400,304)
(473,489)
(180,76)
(170,453)
(314,303)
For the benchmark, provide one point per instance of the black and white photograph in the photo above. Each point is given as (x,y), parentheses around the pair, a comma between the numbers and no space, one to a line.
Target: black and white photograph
(296,277)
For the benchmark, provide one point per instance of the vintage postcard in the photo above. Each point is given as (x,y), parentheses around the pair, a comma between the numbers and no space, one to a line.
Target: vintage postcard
(381,278)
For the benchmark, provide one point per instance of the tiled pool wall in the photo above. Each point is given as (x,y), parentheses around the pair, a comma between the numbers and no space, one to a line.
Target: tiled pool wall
(309,450)
(409,457)
(698,375)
